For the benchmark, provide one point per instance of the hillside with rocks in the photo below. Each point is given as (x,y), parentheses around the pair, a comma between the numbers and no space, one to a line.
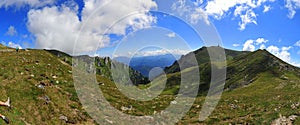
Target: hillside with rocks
(40,88)
(260,89)
(102,66)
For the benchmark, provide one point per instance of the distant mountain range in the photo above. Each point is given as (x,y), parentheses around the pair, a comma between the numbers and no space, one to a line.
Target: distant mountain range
(146,63)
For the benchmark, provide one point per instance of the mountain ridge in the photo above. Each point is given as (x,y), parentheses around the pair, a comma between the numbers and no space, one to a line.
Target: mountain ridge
(242,67)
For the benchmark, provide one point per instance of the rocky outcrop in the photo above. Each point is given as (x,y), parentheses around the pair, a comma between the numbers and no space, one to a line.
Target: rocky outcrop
(282,120)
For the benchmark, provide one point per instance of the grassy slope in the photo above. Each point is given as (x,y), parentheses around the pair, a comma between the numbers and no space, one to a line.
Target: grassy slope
(272,91)
(263,87)
(2,47)
(259,102)
(20,73)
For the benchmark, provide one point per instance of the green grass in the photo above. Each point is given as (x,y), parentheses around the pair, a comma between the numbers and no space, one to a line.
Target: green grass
(260,102)
(28,105)
(256,103)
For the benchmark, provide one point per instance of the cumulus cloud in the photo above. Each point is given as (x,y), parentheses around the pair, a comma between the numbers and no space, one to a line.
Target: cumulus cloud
(57,27)
(297,43)
(282,53)
(296,64)
(273,49)
(11,44)
(262,46)
(134,11)
(267,8)
(21,3)
(14,45)
(260,41)
(171,35)
(156,52)
(249,17)
(199,14)
(243,9)
(11,31)
(192,12)
(54,27)
(292,5)
(218,9)
(249,45)
(198,2)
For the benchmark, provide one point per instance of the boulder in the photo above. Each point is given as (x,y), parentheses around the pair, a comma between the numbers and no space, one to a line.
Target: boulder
(63,118)
(128,108)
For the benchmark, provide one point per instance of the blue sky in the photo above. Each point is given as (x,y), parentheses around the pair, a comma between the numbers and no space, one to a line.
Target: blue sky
(111,29)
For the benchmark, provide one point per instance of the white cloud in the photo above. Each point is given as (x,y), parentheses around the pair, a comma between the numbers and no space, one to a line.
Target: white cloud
(297,43)
(199,14)
(286,48)
(260,41)
(239,10)
(171,35)
(282,53)
(11,44)
(262,46)
(267,8)
(243,9)
(236,45)
(21,3)
(161,52)
(292,5)
(192,12)
(217,8)
(296,64)
(11,31)
(113,11)
(273,49)
(57,27)
(248,46)
(249,17)
(198,2)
